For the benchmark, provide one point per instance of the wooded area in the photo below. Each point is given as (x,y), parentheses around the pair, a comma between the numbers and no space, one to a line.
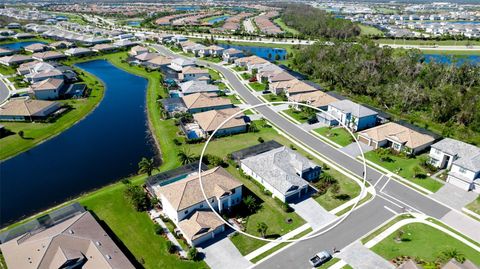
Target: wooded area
(317,23)
(400,82)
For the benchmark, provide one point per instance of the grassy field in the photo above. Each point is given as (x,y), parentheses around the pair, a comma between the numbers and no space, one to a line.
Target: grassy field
(337,135)
(273,98)
(475,205)
(385,227)
(423,241)
(257,86)
(366,30)
(36,132)
(404,167)
(284,27)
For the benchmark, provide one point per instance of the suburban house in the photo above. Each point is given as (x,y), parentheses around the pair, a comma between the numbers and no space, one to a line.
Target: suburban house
(291,87)
(35,47)
(280,170)
(249,61)
(137,50)
(48,56)
(356,117)
(274,76)
(229,55)
(147,56)
(209,121)
(69,237)
(104,48)
(183,202)
(463,161)
(77,52)
(26,109)
(173,105)
(196,86)
(398,137)
(187,45)
(159,62)
(42,75)
(178,64)
(194,73)
(317,99)
(47,89)
(200,102)
(15,59)
(60,45)
(33,67)
(6,52)
(213,50)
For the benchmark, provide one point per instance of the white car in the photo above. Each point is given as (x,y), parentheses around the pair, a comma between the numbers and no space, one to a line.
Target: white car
(320,258)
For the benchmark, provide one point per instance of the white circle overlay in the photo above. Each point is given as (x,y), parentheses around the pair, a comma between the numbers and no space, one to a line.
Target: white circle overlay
(280,239)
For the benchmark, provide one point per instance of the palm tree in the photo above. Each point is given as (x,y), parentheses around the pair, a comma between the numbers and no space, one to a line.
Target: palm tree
(146,166)
(185,156)
(262,228)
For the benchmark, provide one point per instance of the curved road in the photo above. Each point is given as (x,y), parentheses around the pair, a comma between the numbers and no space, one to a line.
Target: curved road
(390,193)
(4,92)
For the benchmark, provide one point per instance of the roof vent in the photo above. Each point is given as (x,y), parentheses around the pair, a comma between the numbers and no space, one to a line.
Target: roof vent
(98,243)
(108,256)
(70,231)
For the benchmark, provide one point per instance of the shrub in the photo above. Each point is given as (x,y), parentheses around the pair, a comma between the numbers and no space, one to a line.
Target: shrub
(137,197)
(193,254)
(177,142)
(171,248)
(158,229)
(260,139)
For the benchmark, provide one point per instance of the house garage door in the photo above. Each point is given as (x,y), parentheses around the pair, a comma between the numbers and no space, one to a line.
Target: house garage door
(459,183)
(363,140)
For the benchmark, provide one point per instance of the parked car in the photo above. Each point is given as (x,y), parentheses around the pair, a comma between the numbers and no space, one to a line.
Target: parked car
(320,258)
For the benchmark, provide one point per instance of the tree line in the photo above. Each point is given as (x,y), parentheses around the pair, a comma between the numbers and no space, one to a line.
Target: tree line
(315,22)
(400,81)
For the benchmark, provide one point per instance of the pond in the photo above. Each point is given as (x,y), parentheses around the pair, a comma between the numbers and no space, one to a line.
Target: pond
(133,23)
(102,148)
(19,45)
(264,52)
(448,59)
(187,8)
(218,19)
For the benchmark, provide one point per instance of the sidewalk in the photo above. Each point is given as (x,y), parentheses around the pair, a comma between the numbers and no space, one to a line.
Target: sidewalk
(156,217)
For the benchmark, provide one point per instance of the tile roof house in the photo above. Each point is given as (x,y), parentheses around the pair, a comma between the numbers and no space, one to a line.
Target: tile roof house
(60,45)
(15,59)
(143,57)
(200,102)
(355,116)
(35,47)
(209,121)
(42,75)
(25,109)
(291,87)
(275,75)
(159,61)
(47,89)
(6,52)
(183,202)
(78,52)
(398,137)
(104,48)
(196,86)
(317,99)
(229,55)
(193,73)
(33,67)
(213,50)
(463,161)
(282,171)
(48,56)
(250,60)
(75,242)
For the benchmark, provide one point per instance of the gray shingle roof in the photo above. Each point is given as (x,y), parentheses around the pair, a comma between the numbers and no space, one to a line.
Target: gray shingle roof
(279,168)
(195,86)
(468,155)
(357,110)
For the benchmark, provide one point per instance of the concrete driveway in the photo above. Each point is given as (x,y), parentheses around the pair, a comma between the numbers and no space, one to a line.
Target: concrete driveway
(222,254)
(311,211)
(453,196)
(4,92)
(358,256)
(354,151)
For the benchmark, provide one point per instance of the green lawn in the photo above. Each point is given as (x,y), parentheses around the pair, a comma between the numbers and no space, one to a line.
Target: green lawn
(337,135)
(36,132)
(475,205)
(239,68)
(214,75)
(284,27)
(424,242)
(273,98)
(212,59)
(246,76)
(348,187)
(404,167)
(233,98)
(297,115)
(279,246)
(257,86)
(385,227)
(366,30)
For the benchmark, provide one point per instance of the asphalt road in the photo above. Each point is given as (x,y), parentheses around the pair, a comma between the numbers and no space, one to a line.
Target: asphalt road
(4,92)
(394,195)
